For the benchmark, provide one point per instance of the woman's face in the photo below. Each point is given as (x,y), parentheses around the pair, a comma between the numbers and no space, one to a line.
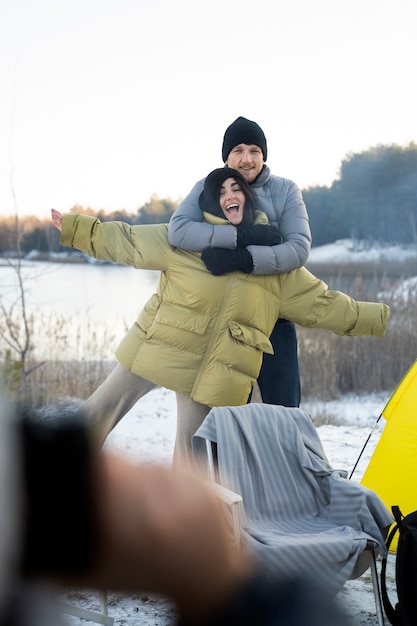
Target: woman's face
(232,201)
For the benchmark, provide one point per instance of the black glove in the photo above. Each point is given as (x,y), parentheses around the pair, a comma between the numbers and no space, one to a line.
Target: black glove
(258,235)
(221,261)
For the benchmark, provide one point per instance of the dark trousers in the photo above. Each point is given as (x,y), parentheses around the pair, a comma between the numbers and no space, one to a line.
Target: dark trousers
(279,378)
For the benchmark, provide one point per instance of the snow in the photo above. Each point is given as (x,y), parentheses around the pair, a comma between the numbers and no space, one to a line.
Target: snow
(147,433)
(350,251)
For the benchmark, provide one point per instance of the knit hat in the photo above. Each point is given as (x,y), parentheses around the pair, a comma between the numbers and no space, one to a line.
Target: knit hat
(243,131)
(209,197)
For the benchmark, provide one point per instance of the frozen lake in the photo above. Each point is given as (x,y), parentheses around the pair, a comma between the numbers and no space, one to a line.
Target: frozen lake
(104,297)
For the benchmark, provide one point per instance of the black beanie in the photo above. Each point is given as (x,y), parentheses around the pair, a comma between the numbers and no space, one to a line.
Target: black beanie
(209,197)
(243,131)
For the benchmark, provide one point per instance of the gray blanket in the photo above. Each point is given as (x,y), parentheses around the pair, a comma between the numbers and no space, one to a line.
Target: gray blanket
(301,517)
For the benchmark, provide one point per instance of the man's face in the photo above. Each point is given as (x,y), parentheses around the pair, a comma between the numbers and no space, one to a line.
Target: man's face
(246,159)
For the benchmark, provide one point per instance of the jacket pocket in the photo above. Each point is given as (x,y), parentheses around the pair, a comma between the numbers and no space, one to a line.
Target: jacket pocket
(179,317)
(251,337)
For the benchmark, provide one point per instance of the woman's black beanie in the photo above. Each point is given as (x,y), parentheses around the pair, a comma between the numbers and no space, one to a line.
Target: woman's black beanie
(209,197)
(245,131)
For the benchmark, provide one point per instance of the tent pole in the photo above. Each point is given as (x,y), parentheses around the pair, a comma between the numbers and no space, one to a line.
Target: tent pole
(364,446)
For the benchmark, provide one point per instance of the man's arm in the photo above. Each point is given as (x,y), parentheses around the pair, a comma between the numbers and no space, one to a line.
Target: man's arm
(188,230)
(282,201)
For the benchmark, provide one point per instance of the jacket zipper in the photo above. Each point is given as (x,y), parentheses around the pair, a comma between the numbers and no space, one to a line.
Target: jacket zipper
(214,333)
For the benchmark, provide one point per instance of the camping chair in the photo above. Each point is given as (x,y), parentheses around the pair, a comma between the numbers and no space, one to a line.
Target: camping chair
(297,514)
(100,617)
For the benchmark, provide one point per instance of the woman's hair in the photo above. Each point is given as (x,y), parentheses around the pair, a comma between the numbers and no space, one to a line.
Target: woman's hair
(209,197)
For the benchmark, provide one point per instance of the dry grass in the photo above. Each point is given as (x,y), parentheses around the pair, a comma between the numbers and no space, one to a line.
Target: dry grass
(72,379)
(67,358)
(70,359)
(332,365)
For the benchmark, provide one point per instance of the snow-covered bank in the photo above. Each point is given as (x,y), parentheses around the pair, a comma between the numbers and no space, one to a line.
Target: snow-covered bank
(351,251)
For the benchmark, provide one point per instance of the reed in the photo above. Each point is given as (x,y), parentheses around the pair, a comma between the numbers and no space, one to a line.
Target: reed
(332,366)
(71,358)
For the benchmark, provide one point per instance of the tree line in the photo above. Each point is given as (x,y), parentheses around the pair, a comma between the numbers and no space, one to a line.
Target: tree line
(34,233)
(374,198)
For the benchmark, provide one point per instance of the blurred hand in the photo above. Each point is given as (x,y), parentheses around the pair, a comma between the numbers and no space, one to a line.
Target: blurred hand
(165,531)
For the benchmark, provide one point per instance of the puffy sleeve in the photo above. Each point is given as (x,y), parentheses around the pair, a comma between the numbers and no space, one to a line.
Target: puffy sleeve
(307,301)
(143,247)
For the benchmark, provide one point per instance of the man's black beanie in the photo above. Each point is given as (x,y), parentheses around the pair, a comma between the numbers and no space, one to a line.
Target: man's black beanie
(243,131)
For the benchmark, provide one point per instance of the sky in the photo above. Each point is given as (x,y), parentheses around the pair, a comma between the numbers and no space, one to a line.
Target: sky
(104,103)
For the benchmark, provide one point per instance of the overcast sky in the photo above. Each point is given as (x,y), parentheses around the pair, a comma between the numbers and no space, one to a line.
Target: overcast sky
(104,103)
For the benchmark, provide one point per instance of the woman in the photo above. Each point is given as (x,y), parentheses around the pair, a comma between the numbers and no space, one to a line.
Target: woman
(201,335)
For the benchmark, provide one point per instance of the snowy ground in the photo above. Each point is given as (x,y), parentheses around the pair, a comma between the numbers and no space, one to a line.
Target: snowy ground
(147,434)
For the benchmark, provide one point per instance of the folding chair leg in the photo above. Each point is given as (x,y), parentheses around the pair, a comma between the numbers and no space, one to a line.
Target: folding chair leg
(376,589)
(87,614)
(104,602)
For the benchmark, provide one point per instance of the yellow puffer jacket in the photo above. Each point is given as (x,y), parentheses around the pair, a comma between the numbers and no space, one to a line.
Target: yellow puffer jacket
(204,335)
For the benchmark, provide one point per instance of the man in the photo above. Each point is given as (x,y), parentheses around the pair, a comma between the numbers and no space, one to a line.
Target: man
(245,149)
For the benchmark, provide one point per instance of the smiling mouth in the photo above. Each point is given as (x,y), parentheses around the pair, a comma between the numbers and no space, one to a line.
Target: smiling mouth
(232,208)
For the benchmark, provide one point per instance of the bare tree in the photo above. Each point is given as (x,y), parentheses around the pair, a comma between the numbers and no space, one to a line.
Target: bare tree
(15,327)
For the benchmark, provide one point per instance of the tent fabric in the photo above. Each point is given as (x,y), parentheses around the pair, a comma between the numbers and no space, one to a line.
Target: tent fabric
(300,517)
(392,469)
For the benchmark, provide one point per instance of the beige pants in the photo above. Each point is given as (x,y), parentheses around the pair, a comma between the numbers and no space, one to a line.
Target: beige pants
(119,393)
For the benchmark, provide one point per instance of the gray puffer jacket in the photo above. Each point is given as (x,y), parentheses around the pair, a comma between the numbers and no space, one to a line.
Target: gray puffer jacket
(282,202)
